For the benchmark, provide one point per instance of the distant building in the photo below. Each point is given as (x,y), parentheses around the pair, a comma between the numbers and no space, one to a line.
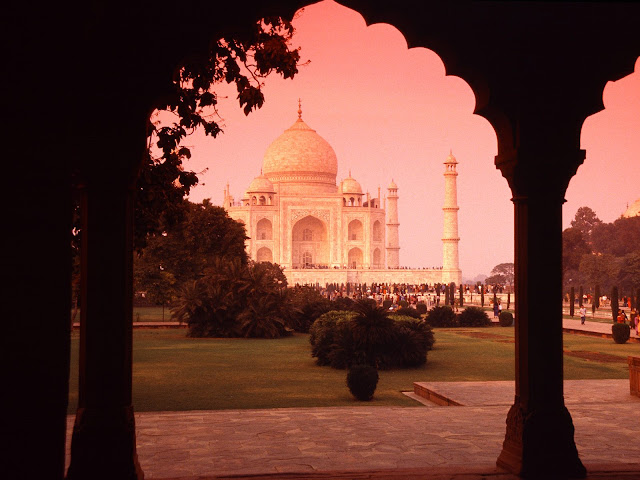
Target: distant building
(633,210)
(320,232)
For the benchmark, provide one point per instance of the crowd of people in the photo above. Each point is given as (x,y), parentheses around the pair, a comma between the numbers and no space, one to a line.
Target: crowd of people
(633,319)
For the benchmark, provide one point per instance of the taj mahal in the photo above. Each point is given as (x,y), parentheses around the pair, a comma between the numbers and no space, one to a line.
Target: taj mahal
(297,216)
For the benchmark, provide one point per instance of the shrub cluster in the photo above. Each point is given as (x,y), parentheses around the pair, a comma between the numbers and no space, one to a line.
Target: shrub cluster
(305,305)
(362,381)
(505,319)
(442,316)
(370,336)
(473,317)
(621,332)
(408,312)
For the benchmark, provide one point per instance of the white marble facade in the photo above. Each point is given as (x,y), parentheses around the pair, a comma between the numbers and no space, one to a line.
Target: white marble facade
(296,215)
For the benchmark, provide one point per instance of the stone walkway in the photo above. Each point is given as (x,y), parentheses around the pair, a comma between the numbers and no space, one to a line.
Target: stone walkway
(426,442)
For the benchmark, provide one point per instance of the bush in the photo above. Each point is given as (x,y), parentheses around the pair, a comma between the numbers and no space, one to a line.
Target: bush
(442,316)
(403,304)
(305,305)
(414,338)
(340,339)
(421,308)
(325,336)
(505,319)
(408,312)
(362,381)
(386,304)
(621,332)
(343,303)
(473,317)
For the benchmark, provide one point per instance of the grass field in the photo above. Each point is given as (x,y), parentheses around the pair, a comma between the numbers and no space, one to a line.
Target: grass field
(173,372)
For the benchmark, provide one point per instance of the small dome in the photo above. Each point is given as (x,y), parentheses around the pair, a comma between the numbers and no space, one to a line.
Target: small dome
(261,184)
(350,185)
(633,210)
(392,185)
(451,158)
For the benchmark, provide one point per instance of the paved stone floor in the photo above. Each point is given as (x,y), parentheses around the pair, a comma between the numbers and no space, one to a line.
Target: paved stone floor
(423,442)
(426,442)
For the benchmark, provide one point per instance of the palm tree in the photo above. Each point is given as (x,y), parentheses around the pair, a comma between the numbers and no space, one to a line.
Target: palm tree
(373,332)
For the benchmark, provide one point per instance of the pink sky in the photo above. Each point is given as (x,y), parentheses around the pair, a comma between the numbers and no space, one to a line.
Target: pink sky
(392,112)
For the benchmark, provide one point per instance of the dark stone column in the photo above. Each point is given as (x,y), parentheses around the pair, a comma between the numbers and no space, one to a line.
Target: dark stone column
(35,342)
(103,444)
(539,439)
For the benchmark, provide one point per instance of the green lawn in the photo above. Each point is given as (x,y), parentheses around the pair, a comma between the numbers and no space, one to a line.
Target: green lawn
(173,372)
(144,314)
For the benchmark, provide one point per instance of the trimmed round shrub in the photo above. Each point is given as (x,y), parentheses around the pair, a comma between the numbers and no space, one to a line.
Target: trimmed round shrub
(403,304)
(386,304)
(473,317)
(362,381)
(505,319)
(408,312)
(621,332)
(421,308)
(442,316)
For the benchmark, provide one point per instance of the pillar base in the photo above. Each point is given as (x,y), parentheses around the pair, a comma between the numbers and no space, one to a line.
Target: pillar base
(103,445)
(539,444)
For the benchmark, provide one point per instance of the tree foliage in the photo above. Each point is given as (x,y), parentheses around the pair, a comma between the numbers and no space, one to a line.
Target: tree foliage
(585,221)
(506,270)
(595,252)
(182,254)
(234,299)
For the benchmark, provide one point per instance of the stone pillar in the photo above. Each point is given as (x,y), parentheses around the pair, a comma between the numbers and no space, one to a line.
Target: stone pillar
(103,444)
(393,240)
(539,440)
(35,342)
(450,262)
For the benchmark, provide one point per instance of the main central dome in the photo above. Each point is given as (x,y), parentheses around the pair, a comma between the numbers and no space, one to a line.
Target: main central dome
(301,156)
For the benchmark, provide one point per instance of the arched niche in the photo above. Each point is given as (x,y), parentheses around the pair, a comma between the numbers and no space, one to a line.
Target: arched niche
(355,231)
(264,230)
(309,236)
(355,258)
(377,231)
(264,254)
(377,258)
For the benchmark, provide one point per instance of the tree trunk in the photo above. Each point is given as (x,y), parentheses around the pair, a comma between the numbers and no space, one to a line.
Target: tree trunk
(572,298)
(581,293)
(614,304)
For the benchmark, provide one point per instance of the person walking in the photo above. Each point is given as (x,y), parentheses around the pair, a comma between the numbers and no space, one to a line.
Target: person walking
(583,314)
(496,310)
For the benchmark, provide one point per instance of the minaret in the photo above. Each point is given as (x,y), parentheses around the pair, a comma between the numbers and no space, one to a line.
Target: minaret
(393,240)
(450,264)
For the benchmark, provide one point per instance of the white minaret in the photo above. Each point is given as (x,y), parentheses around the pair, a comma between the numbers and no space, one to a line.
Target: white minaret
(393,240)
(450,264)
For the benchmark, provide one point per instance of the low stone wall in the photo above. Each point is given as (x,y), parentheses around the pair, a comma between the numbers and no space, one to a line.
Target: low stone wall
(339,276)
(634,375)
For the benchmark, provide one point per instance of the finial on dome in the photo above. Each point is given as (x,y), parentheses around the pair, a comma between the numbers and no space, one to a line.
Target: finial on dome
(349,173)
(299,109)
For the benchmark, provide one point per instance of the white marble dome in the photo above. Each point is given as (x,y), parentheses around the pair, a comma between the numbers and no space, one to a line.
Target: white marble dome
(261,184)
(350,185)
(300,155)
(633,210)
